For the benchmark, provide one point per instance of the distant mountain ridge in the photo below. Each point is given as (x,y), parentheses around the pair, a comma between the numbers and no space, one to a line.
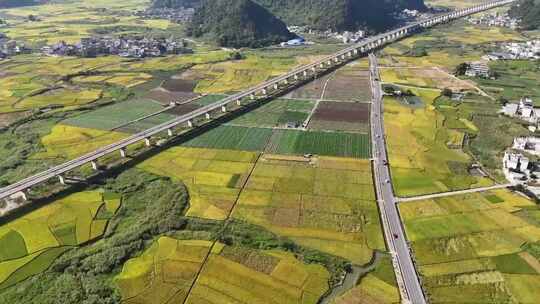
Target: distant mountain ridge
(237,23)
(336,15)
(529,13)
(17,3)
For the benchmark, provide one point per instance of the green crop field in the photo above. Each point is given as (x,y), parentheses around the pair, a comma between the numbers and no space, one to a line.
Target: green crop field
(32,242)
(113,116)
(471,247)
(320,143)
(231,137)
(276,113)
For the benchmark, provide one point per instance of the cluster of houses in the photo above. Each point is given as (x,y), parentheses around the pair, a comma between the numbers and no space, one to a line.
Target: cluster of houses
(524,110)
(495,19)
(518,169)
(10,47)
(529,50)
(346,37)
(135,47)
(478,69)
(177,15)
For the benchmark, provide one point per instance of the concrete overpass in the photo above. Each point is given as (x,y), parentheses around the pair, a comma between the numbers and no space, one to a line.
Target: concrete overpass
(294,76)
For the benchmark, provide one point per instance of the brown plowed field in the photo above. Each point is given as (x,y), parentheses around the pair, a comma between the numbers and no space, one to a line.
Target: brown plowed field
(342,111)
(183,109)
(311,90)
(164,97)
(349,85)
(341,116)
(179,85)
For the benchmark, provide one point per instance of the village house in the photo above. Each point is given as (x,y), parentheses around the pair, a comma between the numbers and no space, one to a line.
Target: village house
(136,47)
(523,110)
(516,167)
(478,69)
(528,144)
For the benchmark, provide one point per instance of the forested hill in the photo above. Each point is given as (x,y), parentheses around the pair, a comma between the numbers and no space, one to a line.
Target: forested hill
(237,23)
(340,15)
(529,13)
(336,15)
(16,3)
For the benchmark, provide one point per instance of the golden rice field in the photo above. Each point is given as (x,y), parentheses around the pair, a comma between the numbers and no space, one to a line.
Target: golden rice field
(237,75)
(418,145)
(214,178)
(166,271)
(327,204)
(70,22)
(472,248)
(70,142)
(29,244)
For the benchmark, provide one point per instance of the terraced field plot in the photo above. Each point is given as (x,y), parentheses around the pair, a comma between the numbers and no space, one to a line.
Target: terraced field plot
(426,78)
(276,113)
(421,145)
(341,116)
(240,74)
(348,84)
(70,142)
(326,203)
(166,271)
(282,141)
(311,90)
(213,177)
(320,143)
(29,244)
(476,247)
(119,114)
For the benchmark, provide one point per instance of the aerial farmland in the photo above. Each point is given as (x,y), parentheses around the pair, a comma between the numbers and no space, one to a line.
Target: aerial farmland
(177,166)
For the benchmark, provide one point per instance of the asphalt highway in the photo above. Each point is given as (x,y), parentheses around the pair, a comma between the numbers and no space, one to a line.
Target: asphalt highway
(395,236)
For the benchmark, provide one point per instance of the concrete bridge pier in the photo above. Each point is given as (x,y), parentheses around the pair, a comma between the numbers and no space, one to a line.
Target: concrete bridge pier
(336,59)
(170,133)
(224,109)
(263,91)
(147,142)
(123,152)
(305,73)
(322,65)
(296,76)
(190,123)
(276,87)
(252,96)
(95,165)
(62,180)
(238,102)
(207,116)
(286,81)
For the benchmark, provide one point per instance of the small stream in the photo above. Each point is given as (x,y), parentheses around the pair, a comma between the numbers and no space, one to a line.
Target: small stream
(351,279)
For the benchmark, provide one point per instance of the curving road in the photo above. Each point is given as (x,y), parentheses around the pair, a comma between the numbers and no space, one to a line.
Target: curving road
(296,75)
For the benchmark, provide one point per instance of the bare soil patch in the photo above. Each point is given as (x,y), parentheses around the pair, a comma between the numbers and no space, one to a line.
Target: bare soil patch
(341,116)
(183,109)
(179,85)
(349,85)
(7,119)
(165,97)
(311,90)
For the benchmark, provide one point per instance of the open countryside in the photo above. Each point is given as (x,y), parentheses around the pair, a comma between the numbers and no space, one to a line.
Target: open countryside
(247,151)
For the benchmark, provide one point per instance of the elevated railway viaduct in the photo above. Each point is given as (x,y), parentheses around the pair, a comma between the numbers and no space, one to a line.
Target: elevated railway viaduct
(295,76)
